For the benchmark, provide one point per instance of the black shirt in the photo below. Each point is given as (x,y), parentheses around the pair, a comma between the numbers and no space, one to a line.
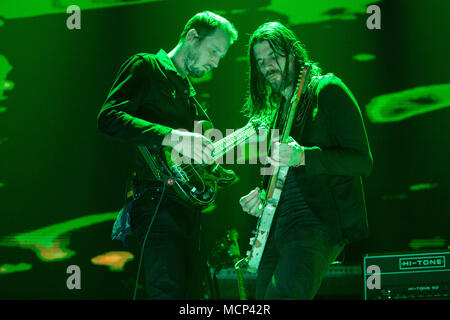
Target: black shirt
(148,99)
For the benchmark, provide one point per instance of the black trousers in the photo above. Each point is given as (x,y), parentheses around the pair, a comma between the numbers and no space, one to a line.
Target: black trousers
(171,263)
(297,256)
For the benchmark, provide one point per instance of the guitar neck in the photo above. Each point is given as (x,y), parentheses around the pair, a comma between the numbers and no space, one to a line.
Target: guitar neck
(294,103)
(288,125)
(234,139)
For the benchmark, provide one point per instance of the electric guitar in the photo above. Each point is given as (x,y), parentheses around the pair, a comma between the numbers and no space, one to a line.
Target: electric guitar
(198,183)
(275,186)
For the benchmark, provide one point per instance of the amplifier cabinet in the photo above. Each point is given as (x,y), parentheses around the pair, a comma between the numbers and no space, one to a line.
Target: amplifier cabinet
(418,275)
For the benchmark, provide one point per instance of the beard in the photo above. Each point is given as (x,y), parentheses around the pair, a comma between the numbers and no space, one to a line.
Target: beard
(279,82)
(196,72)
(274,81)
(190,65)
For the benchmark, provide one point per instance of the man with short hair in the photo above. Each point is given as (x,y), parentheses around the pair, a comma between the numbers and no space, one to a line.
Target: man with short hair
(322,204)
(148,105)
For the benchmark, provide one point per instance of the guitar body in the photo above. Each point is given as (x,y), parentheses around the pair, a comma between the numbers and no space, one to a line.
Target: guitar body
(258,242)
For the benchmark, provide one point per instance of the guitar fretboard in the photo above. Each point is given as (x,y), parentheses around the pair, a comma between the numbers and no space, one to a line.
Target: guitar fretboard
(226,144)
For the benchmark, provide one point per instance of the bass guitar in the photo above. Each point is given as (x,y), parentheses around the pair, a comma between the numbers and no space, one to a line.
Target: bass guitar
(198,183)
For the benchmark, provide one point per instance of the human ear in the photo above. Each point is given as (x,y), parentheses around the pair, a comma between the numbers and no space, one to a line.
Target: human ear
(192,35)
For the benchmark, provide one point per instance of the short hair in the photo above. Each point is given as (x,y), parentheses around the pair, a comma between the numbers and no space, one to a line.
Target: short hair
(207,22)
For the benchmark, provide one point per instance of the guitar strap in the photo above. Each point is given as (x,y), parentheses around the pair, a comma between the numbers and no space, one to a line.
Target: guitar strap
(197,105)
(305,112)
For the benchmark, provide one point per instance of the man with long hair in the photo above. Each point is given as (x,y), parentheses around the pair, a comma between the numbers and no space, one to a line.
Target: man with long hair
(151,99)
(322,204)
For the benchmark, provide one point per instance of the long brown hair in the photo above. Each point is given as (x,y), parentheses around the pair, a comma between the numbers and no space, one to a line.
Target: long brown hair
(261,98)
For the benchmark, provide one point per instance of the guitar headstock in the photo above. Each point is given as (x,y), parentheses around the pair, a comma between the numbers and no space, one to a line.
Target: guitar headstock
(301,79)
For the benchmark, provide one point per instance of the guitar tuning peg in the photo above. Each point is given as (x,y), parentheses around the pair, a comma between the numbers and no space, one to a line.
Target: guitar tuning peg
(252,240)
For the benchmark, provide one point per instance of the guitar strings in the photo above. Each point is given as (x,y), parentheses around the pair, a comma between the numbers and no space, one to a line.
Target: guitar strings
(225,147)
(224,144)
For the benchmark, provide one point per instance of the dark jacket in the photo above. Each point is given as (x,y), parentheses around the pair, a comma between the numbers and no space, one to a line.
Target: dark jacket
(337,156)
